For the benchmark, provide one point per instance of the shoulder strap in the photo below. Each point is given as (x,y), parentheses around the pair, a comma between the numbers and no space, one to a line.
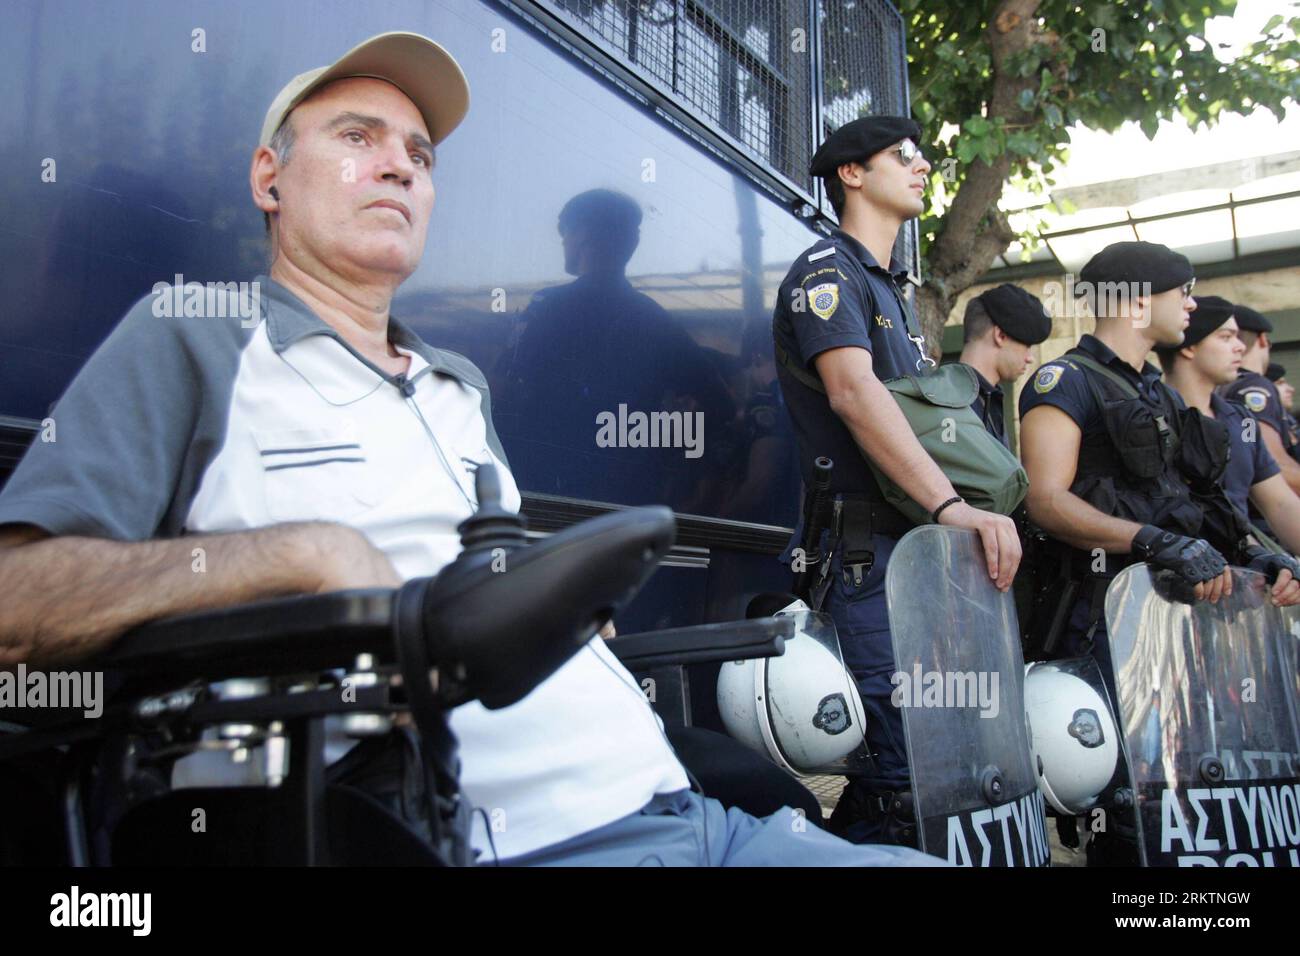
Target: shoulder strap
(1089,362)
(913,326)
(797,370)
(1168,423)
(909,320)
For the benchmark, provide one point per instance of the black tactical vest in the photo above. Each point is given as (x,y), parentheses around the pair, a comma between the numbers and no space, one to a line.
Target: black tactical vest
(1138,466)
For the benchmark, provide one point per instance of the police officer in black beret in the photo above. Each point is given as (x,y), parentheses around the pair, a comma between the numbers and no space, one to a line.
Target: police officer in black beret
(1000,328)
(1260,396)
(1121,472)
(1209,357)
(1100,439)
(1099,418)
(841,326)
(1286,392)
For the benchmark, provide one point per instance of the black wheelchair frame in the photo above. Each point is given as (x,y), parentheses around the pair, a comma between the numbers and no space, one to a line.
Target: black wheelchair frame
(110,812)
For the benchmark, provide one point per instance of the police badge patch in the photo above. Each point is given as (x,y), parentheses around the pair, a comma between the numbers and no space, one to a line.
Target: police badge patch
(1047,378)
(1256,399)
(824,299)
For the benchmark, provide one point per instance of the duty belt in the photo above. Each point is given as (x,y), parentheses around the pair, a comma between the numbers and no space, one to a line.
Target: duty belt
(861,517)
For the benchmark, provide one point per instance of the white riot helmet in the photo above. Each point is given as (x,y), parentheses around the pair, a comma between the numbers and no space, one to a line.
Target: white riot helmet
(1072,734)
(801,709)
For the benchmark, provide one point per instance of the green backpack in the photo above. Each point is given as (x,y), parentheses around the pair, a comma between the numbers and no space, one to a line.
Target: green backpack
(937,404)
(982,470)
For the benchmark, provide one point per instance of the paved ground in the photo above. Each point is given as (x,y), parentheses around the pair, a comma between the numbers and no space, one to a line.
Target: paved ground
(827,791)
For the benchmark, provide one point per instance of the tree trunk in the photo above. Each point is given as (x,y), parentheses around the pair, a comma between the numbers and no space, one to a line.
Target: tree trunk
(975,231)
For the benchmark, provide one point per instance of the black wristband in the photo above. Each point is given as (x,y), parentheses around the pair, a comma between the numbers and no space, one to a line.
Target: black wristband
(955,499)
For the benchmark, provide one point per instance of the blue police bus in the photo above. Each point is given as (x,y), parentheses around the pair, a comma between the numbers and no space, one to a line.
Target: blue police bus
(676,133)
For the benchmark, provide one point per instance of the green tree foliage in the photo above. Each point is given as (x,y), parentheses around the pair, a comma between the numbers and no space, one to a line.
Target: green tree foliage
(1013,75)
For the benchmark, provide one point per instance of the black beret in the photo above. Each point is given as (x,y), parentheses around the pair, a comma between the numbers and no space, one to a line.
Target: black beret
(1211,312)
(1017,313)
(1135,263)
(1250,320)
(1275,372)
(861,139)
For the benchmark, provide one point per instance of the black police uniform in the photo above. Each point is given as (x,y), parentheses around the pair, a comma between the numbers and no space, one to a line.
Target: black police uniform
(990,406)
(837,295)
(1249,462)
(1293,429)
(1261,399)
(1135,458)
(1138,460)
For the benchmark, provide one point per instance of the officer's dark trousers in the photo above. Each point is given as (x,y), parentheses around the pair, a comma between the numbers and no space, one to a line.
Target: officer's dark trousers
(1086,637)
(861,617)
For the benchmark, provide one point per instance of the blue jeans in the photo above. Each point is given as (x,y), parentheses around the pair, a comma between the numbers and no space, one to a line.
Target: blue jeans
(687,829)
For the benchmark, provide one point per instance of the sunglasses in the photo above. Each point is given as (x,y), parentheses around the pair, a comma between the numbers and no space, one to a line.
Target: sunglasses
(907,152)
(1187,287)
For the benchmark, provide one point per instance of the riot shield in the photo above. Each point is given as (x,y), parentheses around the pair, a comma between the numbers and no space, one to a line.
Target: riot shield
(959,683)
(1291,648)
(1206,699)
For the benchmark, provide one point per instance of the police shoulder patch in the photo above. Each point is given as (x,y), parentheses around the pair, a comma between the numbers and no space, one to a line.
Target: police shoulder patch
(823,299)
(1047,378)
(1256,399)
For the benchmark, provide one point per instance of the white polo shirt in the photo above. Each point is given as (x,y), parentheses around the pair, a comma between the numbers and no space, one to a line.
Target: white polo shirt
(215,424)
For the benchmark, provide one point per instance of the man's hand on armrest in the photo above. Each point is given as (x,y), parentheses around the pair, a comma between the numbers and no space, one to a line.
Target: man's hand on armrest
(63,598)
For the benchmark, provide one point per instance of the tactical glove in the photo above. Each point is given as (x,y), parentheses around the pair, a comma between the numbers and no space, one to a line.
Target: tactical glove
(1192,559)
(1270,564)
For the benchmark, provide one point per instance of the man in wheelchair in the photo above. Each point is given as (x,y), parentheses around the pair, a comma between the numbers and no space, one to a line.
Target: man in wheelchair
(293,438)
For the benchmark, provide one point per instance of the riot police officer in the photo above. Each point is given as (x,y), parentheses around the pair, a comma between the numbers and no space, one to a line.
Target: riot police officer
(1101,436)
(999,329)
(1286,392)
(1254,390)
(841,326)
(1210,356)
(1119,472)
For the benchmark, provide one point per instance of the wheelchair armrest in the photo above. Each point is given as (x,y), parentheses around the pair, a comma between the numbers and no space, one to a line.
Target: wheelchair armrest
(294,634)
(705,643)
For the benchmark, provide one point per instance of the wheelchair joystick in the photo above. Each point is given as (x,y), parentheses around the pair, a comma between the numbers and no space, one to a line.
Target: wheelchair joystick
(490,527)
(494,629)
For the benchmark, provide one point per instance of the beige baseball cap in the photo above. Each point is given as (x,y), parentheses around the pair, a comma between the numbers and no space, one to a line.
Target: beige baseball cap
(417,66)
